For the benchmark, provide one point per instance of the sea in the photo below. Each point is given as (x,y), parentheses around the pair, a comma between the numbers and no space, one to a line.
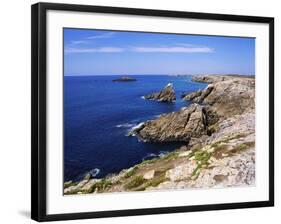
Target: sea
(99,113)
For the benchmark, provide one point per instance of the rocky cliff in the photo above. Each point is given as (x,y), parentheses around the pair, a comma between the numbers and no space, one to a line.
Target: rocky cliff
(217,132)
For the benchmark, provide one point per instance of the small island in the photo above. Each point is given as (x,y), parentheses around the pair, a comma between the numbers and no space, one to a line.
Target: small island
(124,79)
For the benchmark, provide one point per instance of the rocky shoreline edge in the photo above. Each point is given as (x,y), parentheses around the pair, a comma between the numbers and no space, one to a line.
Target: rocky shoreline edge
(217,131)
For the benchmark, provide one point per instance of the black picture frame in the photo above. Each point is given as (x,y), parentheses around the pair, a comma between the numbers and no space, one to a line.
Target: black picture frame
(38,108)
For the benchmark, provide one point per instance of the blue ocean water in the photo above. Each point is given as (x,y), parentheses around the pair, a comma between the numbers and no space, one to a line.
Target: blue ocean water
(98,113)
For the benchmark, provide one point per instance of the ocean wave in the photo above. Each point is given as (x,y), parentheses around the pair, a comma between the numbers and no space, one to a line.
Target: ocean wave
(125,125)
(137,126)
(154,155)
(149,156)
(94,172)
(143,97)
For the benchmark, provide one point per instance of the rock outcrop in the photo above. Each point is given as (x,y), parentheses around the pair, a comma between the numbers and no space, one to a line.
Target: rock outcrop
(181,126)
(192,95)
(124,79)
(166,95)
(229,97)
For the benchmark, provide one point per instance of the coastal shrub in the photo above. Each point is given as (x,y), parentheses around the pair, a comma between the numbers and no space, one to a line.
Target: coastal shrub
(135,182)
(69,184)
(202,159)
(250,144)
(149,161)
(100,186)
(170,156)
(131,172)
(240,148)
(167,157)
(156,181)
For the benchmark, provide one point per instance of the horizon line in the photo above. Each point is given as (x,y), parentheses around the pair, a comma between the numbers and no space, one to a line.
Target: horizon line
(164,74)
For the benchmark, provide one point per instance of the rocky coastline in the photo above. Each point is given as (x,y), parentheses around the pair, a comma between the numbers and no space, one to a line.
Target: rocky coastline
(217,132)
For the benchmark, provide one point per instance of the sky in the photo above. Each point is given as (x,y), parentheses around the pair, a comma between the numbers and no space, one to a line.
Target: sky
(102,52)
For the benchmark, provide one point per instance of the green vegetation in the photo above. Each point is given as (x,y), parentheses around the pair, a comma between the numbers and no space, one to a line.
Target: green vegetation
(242,147)
(131,172)
(99,186)
(168,157)
(153,182)
(149,161)
(227,139)
(218,148)
(135,182)
(69,184)
(202,159)
(72,192)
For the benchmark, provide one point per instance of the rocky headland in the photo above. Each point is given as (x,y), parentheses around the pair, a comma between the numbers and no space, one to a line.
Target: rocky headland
(166,95)
(217,132)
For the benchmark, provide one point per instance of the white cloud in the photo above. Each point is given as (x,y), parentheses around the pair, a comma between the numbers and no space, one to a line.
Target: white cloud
(183,49)
(94,50)
(177,48)
(101,36)
(75,42)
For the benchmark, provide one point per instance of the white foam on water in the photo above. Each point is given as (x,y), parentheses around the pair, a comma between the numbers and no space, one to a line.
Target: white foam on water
(149,156)
(94,172)
(137,126)
(125,125)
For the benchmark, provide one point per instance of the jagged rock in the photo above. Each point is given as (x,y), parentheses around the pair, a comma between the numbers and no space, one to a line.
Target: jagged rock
(232,97)
(205,93)
(192,121)
(124,79)
(166,95)
(191,96)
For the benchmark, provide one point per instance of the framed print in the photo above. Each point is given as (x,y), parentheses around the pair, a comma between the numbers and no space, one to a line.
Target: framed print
(138,111)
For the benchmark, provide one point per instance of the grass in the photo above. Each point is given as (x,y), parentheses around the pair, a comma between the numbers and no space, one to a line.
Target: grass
(69,184)
(153,182)
(131,172)
(100,186)
(135,182)
(227,139)
(242,147)
(202,156)
(168,157)
(72,192)
(202,159)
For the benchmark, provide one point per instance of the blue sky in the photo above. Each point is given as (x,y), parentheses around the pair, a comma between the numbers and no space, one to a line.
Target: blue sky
(100,52)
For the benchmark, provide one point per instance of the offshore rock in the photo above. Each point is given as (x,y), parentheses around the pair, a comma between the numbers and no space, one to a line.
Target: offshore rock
(166,95)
